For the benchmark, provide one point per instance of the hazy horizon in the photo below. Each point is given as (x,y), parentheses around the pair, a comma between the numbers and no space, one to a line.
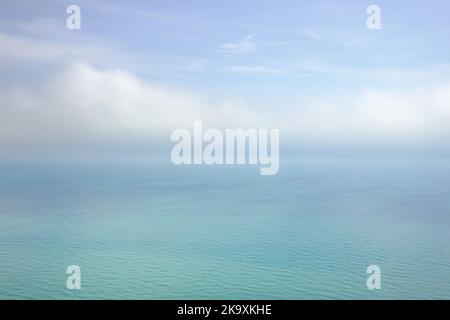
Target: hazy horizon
(132,74)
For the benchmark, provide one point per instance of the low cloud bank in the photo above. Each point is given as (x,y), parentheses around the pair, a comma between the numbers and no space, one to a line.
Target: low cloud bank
(83,104)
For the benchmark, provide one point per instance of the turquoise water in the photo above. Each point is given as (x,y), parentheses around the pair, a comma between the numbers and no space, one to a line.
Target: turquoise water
(157,231)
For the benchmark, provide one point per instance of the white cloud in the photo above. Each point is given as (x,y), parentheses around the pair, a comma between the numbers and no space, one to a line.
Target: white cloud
(244,69)
(244,46)
(49,27)
(309,33)
(84,104)
(375,115)
(25,48)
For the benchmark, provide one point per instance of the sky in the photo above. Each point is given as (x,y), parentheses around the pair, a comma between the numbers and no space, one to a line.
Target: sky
(137,70)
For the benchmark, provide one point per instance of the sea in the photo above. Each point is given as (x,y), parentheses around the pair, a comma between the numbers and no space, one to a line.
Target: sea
(154,230)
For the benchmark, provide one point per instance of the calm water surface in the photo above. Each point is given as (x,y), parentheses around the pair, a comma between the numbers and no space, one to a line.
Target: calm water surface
(158,231)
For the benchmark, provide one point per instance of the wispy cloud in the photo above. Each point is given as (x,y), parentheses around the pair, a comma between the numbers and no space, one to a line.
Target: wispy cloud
(431,74)
(109,8)
(28,48)
(49,27)
(254,70)
(245,45)
(309,33)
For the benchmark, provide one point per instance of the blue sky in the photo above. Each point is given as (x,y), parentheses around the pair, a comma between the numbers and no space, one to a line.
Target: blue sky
(313,69)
